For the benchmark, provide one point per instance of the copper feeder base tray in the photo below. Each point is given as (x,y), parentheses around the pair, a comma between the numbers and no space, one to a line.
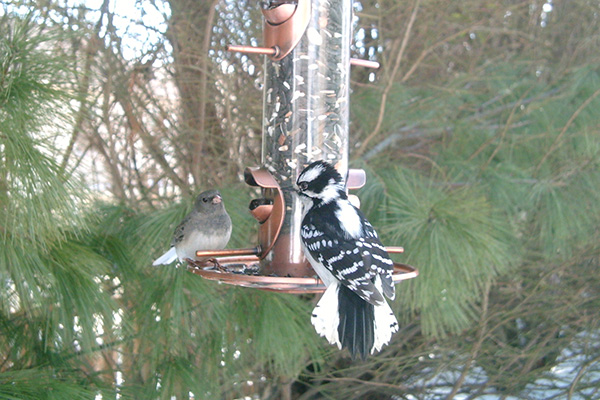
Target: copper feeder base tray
(219,269)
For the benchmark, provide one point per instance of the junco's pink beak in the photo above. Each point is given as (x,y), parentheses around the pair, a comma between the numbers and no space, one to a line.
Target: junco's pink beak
(217,199)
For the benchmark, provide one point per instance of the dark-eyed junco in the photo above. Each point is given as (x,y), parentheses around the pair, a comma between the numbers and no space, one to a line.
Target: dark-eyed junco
(206,227)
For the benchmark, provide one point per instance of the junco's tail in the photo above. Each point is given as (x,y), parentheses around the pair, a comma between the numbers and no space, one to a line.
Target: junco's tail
(166,258)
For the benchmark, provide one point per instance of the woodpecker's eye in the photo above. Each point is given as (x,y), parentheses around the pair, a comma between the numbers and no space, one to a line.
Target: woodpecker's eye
(204,199)
(303,186)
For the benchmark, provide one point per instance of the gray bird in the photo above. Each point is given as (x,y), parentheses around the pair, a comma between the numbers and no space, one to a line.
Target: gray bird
(206,227)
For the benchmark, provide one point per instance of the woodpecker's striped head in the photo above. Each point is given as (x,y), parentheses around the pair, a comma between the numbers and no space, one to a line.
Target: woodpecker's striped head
(320,181)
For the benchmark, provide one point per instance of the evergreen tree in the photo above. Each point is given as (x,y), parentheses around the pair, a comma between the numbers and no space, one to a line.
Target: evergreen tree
(479,138)
(51,301)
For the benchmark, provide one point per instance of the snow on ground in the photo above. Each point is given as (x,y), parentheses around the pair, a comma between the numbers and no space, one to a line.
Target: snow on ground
(575,376)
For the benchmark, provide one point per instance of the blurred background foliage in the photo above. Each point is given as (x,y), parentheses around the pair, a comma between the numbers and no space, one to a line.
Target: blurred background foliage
(479,136)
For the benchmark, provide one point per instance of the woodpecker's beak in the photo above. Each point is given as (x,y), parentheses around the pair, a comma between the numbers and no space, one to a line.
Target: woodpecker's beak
(217,199)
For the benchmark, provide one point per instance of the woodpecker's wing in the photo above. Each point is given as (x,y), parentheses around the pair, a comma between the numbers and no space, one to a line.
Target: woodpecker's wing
(385,266)
(356,263)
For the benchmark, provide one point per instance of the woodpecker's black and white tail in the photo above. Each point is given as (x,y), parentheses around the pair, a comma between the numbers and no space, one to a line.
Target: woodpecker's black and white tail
(348,321)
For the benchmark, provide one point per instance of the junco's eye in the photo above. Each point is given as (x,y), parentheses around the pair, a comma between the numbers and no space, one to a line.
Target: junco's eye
(204,199)
(303,186)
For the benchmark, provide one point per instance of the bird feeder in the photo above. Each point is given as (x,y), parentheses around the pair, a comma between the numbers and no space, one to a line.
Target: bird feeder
(305,118)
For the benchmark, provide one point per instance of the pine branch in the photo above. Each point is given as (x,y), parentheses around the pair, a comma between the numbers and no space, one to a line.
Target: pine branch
(556,142)
(502,133)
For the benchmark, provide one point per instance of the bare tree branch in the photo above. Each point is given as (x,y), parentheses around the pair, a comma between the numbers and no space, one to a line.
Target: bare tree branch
(391,80)
(91,50)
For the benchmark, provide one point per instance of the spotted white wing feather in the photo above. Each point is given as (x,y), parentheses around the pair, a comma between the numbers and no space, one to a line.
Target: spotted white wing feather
(325,317)
(386,324)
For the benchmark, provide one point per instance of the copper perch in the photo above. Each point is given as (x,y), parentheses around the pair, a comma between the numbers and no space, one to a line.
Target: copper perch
(275,52)
(254,251)
(359,62)
(269,51)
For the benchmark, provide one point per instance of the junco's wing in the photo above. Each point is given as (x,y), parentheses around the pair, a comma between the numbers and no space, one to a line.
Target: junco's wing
(179,233)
